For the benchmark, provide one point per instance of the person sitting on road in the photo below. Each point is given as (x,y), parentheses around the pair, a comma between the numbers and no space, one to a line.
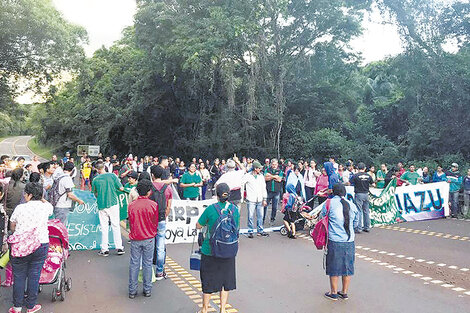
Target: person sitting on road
(343,215)
(217,274)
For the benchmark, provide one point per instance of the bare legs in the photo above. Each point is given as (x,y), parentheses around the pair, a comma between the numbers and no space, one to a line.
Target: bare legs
(334,284)
(206,297)
(290,227)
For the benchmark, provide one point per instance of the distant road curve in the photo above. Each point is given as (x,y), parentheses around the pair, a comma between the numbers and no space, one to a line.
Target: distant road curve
(17,146)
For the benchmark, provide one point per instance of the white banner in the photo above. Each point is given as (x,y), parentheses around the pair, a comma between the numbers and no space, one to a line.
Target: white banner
(181,223)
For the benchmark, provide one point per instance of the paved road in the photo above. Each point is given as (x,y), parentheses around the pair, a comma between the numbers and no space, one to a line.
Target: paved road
(281,275)
(16,146)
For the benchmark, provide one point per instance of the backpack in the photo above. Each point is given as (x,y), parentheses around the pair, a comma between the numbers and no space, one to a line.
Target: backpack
(159,197)
(319,233)
(53,194)
(224,234)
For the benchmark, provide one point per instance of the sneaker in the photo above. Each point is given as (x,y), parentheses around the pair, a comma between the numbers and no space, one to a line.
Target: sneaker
(263,234)
(132,295)
(120,252)
(14,310)
(343,296)
(160,276)
(330,296)
(147,294)
(103,253)
(366,230)
(250,235)
(36,308)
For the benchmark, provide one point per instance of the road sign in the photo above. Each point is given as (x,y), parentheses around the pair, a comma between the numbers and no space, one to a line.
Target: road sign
(87,149)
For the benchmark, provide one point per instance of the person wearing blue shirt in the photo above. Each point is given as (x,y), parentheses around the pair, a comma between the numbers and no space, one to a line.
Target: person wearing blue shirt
(343,217)
(439,175)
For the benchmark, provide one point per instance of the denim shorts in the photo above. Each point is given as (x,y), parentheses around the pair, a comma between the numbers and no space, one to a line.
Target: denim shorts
(340,258)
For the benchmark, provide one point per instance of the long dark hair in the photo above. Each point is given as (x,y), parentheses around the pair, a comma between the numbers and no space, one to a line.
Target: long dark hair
(340,190)
(16,175)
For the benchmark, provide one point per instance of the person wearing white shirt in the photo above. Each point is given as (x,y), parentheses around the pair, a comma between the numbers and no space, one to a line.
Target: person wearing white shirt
(233,178)
(310,178)
(256,196)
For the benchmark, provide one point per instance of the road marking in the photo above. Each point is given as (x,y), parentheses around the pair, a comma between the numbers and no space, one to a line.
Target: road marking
(401,256)
(425,232)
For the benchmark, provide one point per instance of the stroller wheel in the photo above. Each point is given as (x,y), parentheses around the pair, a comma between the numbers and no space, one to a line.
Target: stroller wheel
(40,289)
(62,290)
(283,231)
(54,294)
(68,284)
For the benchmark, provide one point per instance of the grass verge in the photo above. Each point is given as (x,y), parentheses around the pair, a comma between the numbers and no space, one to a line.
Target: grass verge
(38,148)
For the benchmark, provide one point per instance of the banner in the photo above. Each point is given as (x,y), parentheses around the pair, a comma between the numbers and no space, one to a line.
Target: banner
(407,203)
(84,225)
(181,223)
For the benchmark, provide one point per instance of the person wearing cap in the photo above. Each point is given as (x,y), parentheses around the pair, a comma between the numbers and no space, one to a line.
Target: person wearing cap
(455,180)
(190,182)
(217,274)
(131,185)
(256,196)
(233,178)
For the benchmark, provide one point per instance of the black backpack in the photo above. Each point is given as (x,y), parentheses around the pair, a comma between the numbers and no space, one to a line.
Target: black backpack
(159,197)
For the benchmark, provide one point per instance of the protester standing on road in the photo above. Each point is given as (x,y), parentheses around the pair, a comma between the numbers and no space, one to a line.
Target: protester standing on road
(466,194)
(206,176)
(274,177)
(65,190)
(362,182)
(162,195)
(233,178)
(105,187)
(217,274)
(310,178)
(143,222)
(439,175)
(34,164)
(30,218)
(256,195)
(343,214)
(15,190)
(381,174)
(190,182)
(455,180)
(410,177)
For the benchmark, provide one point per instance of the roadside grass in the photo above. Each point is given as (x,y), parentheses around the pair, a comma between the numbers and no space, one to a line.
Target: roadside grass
(43,151)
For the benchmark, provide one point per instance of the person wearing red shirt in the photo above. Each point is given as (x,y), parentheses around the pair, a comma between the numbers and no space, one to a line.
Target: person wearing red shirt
(143,223)
(401,171)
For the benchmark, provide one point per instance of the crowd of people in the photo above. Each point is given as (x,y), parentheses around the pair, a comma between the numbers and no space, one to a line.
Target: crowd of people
(149,181)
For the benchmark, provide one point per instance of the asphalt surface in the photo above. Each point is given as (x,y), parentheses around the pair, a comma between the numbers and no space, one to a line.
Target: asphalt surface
(409,267)
(13,146)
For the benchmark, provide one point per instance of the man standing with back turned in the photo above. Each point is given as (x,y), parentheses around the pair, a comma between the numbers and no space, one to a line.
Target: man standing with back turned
(362,182)
(105,187)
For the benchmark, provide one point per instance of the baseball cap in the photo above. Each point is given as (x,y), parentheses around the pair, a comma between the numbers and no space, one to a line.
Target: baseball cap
(455,165)
(256,164)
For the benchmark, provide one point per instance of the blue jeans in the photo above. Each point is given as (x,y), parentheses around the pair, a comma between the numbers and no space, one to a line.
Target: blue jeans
(160,247)
(362,203)
(141,251)
(274,198)
(28,267)
(252,206)
(454,203)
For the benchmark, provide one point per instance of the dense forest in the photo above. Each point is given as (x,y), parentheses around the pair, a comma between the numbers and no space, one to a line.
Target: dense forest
(258,77)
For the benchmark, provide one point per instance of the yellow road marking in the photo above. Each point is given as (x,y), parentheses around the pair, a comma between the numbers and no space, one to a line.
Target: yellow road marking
(425,232)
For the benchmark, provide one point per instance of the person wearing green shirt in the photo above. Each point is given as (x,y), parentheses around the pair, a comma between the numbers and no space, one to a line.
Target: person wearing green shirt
(217,274)
(190,182)
(410,177)
(105,187)
(130,187)
(381,174)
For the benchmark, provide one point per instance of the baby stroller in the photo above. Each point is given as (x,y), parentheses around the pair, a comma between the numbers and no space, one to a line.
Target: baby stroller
(53,270)
(300,221)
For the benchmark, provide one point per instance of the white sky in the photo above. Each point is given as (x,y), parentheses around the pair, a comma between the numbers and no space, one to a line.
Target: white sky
(104,21)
